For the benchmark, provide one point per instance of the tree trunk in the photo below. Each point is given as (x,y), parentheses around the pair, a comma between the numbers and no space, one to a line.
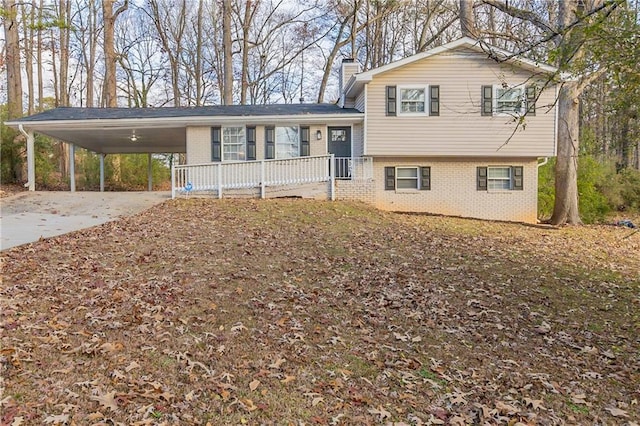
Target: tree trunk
(12,48)
(28,32)
(39,59)
(565,209)
(228,53)
(245,52)
(467,21)
(63,33)
(109,19)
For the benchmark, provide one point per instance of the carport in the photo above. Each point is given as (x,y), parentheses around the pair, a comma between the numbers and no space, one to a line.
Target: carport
(106,131)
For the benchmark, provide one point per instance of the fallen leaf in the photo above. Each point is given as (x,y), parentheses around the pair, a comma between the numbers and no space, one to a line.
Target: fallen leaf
(287,379)
(616,412)
(380,411)
(131,366)
(57,419)
(107,400)
(254,385)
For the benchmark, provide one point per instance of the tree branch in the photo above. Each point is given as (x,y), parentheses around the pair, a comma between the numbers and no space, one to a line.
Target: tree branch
(523,14)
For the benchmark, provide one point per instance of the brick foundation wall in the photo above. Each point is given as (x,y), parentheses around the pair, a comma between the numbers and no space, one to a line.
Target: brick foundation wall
(356,190)
(453,190)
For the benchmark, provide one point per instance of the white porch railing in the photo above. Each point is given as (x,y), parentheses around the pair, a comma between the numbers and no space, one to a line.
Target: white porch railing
(357,168)
(249,174)
(218,177)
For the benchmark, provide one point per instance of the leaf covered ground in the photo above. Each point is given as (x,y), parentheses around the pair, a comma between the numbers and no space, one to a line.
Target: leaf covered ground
(301,312)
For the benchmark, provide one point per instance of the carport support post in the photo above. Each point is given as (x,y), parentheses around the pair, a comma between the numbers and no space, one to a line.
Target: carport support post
(31,158)
(72,167)
(149,173)
(101,172)
(31,161)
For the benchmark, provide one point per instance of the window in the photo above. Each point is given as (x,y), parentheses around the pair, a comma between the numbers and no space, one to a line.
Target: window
(500,178)
(407,178)
(412,100)
(513,101)
(282,142)
(234,144)
(509,100)
(287,142)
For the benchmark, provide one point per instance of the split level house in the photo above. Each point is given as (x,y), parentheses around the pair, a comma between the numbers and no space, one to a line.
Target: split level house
(458,130)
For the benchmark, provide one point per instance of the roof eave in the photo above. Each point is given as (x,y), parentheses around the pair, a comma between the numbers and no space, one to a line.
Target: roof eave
(183,121)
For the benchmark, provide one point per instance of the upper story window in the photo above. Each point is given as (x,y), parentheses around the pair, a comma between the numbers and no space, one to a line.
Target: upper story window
(509,100)
(505,100)
(412,100)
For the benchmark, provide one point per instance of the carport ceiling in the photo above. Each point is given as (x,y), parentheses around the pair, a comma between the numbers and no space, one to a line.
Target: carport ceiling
(111,140)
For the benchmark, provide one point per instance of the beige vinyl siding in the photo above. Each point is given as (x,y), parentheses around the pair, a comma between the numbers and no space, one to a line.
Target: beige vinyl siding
(357,138)
(460,130)
(360,100)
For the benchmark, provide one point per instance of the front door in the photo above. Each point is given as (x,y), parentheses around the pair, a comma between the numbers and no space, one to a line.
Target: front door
(340,147)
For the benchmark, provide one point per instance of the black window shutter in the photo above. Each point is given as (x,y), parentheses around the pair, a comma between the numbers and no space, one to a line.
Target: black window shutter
(391,100)
(517,176)
(531,99)
(425,178)
(487,100)
(269,142)
(251,143)
(389,178)
(482,179)
(216,149)
(434,104)
(304,142)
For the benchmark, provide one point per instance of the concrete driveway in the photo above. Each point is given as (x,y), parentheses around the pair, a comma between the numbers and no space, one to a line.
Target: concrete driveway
(29,216)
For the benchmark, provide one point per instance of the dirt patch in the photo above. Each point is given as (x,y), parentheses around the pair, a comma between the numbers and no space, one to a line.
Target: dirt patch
(285,311)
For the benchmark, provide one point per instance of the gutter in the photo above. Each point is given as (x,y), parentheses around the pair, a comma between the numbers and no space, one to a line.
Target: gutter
(159,122)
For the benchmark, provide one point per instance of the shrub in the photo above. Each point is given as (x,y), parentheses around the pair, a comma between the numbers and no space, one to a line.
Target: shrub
(593,177)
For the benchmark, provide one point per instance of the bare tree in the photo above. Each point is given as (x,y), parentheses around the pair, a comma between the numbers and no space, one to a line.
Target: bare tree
(170,20)
(227,83)
(109,18)
(467,20)
(14,76)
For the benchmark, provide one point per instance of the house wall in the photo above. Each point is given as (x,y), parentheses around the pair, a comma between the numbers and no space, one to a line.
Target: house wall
(199,142)
(360,101)
(198,145)
(357,137)
(453,190)
(459,130)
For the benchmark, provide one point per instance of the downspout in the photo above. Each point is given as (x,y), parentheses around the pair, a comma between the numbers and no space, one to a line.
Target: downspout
(31,166)
(544,161)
